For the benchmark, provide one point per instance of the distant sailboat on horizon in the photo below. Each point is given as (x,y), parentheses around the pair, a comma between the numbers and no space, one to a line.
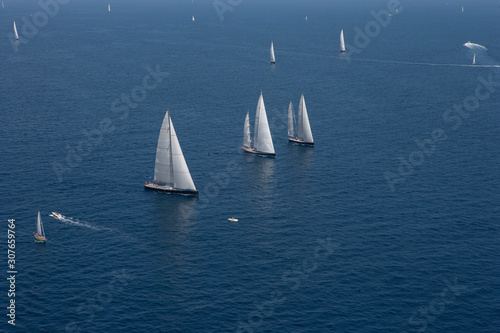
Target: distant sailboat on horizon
(109,8)
(304,133)
(262,139)
(474,59)
(192,18)
(462,9)
(171,171)
(15,31)
(40,233)
(273,59)
(342,44)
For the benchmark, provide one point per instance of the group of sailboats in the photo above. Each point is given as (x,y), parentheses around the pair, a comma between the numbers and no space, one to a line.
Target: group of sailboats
(342,46)
(262,139)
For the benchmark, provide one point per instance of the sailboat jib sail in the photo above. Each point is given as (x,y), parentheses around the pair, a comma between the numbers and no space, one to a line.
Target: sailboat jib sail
(15,31)
(262,139)
(40,233)
(291,120)
(247,141)
(171,171)
(474,59)
(342,44)
(273,59)
(304,133)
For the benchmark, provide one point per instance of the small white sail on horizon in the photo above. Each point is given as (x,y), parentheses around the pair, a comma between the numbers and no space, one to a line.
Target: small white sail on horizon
(109,8)
(262,139)
(304,133)
(15,31)
(192,18)
(171,171)
(273,59)
(462,9)
(342,43)
(474,59)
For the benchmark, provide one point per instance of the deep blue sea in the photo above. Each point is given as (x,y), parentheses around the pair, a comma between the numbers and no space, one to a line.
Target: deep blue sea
(390,223)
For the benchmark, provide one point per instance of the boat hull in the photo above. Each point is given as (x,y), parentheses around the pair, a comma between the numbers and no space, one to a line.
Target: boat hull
(169,189)
(40,238)
(300,142)
(256,152)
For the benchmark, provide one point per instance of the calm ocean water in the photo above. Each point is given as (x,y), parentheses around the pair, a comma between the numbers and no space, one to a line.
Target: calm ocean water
(389,224)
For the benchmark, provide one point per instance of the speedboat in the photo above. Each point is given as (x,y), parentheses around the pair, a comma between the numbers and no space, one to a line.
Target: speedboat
(56,215)
(232,219)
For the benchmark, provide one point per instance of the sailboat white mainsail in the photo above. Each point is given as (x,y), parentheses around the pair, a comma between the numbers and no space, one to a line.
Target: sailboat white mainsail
(171,171)
(342,44)
(273,59)
(304,133)
(262,140)
(40,233)
(15,31)
(109,8)
(474,59)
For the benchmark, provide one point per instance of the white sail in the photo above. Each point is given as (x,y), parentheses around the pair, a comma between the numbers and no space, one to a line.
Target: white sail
(290,120)
(247,141)
(39,225)
(262,139)
(15,31)
(182,176)
(273,60)
(192,18)
(304,128)
(164,172)
(342,44)
(474,59)
(109,8)
(170,166)
(462,9)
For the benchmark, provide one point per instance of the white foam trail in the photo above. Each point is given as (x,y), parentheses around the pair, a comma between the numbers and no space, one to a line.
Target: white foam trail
(427,63)
(83,224)
(475,46)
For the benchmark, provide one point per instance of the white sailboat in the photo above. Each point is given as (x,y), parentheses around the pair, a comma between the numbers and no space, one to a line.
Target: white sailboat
(192,18)
(474,59)
(40,233)
(171,171)
(304,133)
(15,31)
(273,60)
(462,9)
(109,8)
(262,140)
(342,44)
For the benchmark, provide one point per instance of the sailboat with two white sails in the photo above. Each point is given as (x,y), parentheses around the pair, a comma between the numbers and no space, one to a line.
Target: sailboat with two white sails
(262,139)
(171,171)
(304,134)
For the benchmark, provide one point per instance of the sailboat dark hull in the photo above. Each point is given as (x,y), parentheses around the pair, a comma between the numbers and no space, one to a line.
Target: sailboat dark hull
(169,189)
(300,142)
(256,152)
